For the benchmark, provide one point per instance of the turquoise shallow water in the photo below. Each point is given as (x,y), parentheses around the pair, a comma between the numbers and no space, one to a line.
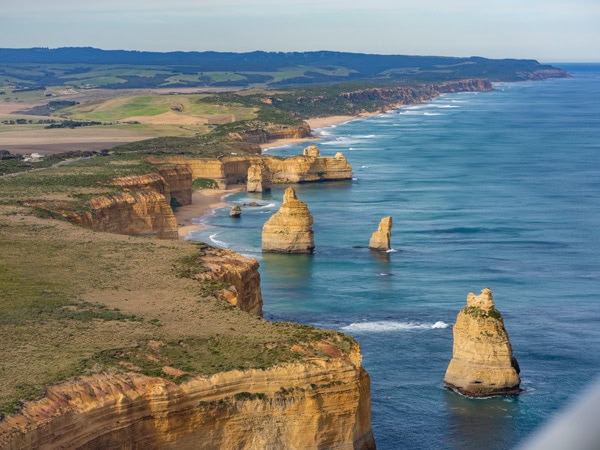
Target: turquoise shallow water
(499,190)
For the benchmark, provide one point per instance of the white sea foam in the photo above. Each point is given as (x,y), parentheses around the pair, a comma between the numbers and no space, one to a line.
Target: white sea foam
(214,240)
(383,326)
(432,114)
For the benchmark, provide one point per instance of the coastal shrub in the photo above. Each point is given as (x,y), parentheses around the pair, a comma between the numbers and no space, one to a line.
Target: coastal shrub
(250,396)
(205,183)
(476,311)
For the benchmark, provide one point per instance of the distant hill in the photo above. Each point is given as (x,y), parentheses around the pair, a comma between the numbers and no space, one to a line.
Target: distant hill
(91,67)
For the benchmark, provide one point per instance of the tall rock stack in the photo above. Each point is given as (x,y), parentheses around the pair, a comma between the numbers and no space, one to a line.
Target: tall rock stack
(482,362)
(290,229)
(259,178)
(380,239)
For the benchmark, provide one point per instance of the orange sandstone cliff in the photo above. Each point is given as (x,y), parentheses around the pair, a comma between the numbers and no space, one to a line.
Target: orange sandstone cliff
(236,169)
(323,403)
(239,273)
(143,208)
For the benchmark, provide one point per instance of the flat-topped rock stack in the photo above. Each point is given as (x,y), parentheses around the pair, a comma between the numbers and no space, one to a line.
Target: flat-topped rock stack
(380,239)
(290,229)
(482,362)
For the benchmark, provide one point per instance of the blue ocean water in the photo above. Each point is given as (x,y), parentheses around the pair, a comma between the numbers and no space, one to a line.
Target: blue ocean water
(499,190)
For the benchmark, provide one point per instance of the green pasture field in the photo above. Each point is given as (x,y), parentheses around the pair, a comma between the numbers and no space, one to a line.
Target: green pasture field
(152,105)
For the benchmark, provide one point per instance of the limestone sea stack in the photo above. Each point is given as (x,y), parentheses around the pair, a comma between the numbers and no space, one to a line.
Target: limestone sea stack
(482,362)
(380,239)
(259,178)
(290,229)
(235,211)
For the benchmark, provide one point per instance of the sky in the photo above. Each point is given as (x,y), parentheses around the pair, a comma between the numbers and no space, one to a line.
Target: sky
(546,30)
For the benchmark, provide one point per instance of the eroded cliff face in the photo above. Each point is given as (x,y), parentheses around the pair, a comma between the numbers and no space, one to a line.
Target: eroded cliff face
(144,208)
(310,167)
(178,180)
(406,95)
(482,360)
(259,178)
(322,403)
(239,273)
(289,230)
(139,213)
(262,135)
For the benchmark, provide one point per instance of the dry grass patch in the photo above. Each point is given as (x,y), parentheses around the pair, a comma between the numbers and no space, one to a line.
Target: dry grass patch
(74,301)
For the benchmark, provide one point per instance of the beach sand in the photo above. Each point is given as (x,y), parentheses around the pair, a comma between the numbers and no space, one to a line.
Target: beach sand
(203,201)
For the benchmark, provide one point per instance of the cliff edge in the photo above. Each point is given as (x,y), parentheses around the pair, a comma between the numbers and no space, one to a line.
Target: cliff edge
(323,403)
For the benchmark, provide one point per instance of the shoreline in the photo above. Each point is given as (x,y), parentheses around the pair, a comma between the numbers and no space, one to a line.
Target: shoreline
(203,202)
(316,123)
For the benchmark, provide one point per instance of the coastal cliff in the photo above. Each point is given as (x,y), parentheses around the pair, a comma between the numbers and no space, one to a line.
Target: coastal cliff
(239,273)
(482,362)
(308,167)
(405,95)
(262,135)
(142,208)
(324,403)
(139,213)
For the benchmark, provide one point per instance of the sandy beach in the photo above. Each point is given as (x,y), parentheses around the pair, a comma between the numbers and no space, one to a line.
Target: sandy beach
(314,123)
(203,201)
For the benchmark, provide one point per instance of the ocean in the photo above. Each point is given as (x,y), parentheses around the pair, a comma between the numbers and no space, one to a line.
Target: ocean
(498,189)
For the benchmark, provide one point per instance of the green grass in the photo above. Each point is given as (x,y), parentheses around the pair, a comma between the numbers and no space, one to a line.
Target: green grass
(74,301)
(476,311)
(153,105)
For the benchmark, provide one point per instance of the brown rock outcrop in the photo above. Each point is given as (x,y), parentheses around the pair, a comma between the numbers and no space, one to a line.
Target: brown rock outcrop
(174,182)
(482,362)
(324,403)
(380,239)
(140,213)
(145,206)
(240,275)
(179,182)
(235,211)
(309,167)
(229,170)
(259,178)
(290,229)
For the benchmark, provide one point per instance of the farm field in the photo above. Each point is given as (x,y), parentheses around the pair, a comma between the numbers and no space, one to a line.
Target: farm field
(115,117)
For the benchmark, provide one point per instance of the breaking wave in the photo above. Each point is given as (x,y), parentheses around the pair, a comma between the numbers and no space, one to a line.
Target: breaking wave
(214,240)
(383,326)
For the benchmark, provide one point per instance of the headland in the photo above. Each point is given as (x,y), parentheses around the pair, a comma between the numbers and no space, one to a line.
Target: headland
(115,336)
